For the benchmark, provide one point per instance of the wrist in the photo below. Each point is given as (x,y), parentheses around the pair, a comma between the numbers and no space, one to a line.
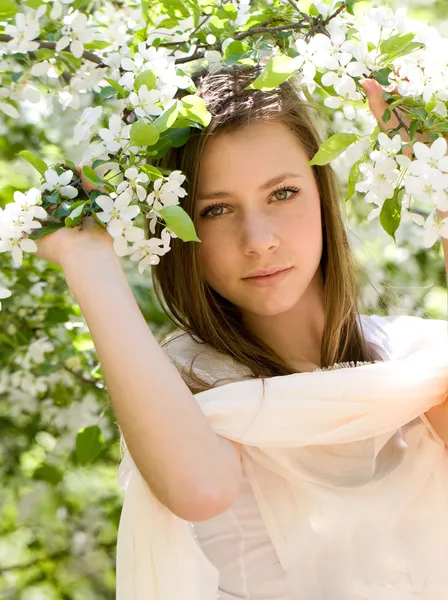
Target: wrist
(90,259)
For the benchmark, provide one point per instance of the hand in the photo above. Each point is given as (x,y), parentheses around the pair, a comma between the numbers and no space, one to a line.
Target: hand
(378,105)
(65,242)
(69,243)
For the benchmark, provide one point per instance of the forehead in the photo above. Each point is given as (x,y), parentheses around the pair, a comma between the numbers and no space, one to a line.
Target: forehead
(260,148)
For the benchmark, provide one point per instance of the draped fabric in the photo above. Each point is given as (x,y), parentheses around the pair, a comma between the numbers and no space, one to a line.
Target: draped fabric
(362,509)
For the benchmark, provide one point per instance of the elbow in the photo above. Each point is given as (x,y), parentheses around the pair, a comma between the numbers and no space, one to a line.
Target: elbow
(207,501)
(204,506)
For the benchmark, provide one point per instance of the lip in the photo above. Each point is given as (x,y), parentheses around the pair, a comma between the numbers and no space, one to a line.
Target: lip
(267,280)
(264,272)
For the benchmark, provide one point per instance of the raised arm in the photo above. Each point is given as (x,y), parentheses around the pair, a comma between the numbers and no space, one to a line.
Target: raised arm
(190,469)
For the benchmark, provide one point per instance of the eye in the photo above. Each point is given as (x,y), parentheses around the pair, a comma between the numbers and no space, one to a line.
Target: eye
(293,190)
(206,212)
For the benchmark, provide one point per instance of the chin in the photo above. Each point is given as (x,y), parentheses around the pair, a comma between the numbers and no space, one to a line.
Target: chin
(269,307)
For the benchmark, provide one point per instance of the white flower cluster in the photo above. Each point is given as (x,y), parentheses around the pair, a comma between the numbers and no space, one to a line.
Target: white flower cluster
(424,180)
(148,79)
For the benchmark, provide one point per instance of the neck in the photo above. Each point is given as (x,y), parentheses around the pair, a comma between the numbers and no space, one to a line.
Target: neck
(296,334)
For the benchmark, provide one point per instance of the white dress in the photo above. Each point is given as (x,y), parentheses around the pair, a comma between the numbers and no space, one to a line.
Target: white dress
(375,516)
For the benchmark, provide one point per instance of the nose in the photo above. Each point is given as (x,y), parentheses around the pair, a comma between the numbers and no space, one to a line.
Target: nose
(258,234)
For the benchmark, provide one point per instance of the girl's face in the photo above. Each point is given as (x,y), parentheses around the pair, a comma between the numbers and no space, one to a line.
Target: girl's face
(258,207)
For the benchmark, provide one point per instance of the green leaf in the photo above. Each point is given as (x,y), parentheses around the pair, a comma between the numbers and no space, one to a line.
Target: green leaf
(107,92)
(63,210)
(45,229)
(34,160)
(278,69)
(49,473)
(146,78)
(407,50)
(228,11)
(71,165)
(333,147)
(386,115)
(178,136)
(89,443)
(152,172)
(413,129)
(34,4)
(235,51)
(103,225)
(8,8)
(143,134)
(382,75)
(16,76)
(396,43)
(353,178)
(217,26)
(99,161)
(75,214)
(52,198)
(167,118)
(434,135)
(97,45)
(193,107)
(179,222)
(390,215)
(350,4)
(122,92)
(91,176)
(431,104)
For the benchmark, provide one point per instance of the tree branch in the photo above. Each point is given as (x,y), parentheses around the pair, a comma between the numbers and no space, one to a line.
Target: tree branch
(306,22)
(91,56)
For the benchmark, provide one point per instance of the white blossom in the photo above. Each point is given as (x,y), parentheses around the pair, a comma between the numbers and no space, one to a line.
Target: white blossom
(26,29)
(134,179)
(6,106)
(28,203)
(430,159)
(117,135)
(144,102)
(129,233)
(86,122)
(75,34)
(148,252)
(59,183)
(388,147)
(434,227)
(116,211)
(56,10)
(45,67)
(429,188)
(380,180)
(167,192)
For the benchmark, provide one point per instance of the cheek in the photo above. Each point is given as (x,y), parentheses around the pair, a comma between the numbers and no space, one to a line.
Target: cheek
(303,231)
(216,259)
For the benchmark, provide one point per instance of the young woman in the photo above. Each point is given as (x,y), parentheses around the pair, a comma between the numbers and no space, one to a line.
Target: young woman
(340,491)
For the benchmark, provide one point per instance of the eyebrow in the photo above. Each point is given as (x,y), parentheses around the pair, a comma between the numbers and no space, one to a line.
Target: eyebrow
(269,183)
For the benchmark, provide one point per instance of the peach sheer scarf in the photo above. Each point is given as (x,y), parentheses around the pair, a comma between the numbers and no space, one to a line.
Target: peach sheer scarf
(334,438)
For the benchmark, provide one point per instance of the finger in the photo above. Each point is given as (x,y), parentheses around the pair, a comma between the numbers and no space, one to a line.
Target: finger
(377,104)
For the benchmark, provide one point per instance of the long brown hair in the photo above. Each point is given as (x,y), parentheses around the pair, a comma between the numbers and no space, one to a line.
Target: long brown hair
(199,310)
